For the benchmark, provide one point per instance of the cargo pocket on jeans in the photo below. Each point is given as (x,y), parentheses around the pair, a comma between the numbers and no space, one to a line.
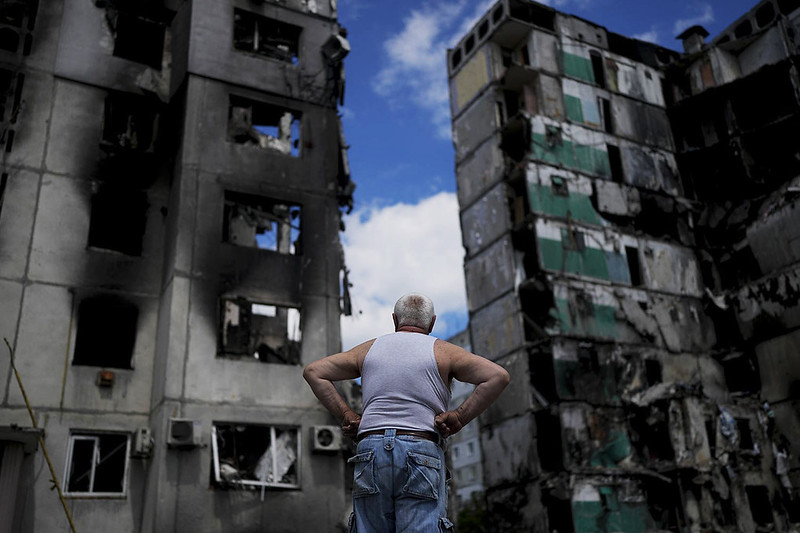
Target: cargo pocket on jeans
(424,473)
(445,524)
(364,474)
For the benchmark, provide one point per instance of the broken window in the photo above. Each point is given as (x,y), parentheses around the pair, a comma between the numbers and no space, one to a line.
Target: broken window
(634,267)
(788,6)
(118,219)
(551,453)
(553,136)
(265,36)
(469,44)
(615,162)
(597,68)
(129,122)
(106,332)
(559,186)
(760,506)
(97,464)
(605,109)
(264,223)
(266,332)
(743,30)
(268,126)
(251,456)
(533,13)
(138,35)
(483,29)
(652,370)
(572,239)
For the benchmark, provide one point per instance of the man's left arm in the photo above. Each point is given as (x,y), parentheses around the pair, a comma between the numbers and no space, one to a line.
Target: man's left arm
(320,376)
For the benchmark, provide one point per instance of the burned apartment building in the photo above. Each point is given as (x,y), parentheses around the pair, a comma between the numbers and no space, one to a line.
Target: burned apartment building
(173,177)
(630,220)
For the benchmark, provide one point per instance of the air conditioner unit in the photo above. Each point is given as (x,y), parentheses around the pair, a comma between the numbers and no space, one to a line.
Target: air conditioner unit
(326,438)
(184,433)
(142,442)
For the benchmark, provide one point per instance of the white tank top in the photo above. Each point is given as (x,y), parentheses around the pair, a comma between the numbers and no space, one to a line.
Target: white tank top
(400,384)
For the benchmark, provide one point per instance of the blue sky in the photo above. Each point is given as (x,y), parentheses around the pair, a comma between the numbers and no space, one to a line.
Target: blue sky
(403,234)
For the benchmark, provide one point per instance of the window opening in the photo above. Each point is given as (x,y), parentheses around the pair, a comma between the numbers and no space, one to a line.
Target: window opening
(526,58)
(745,435)
(118,219)
(456,58)
(615,162)
(483,29)
(137,36)
(268,126)
(787,6)
(597,68)
(469,44)
(264,223)
(534,14)
(711,433)
(588,360)
(605,109)
(572,239)
(652,370)
(552,136)
(97,464)
(252,456)
(106,332)
(130,122)
(266,332)
(765,15)
(760,506)
(743,30)
(9,40)
(497,14)
(634,266)
(265,36)
(559,186)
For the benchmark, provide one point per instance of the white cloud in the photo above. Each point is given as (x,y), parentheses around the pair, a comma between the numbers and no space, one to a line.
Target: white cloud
(416,71)
(398,249)
(649,36)
(706,16)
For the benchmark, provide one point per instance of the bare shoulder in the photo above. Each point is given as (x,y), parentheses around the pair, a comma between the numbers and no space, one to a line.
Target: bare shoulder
(359,352)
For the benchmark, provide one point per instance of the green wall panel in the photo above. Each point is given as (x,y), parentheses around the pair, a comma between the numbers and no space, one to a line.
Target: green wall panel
(571,155)
(601,322)
(574,108)
(579,206)
(578,67)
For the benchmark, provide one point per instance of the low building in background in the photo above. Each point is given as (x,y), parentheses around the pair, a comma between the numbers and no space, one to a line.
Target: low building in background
(630,221)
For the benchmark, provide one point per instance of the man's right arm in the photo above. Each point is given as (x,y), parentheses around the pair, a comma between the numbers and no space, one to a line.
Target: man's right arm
(490,379)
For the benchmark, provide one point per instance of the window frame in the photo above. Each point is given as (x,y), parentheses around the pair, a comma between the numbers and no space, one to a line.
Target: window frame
(95,436)
(224,352)
(218,481)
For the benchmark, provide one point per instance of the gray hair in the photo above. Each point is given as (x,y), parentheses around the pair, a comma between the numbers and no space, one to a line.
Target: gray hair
(414,309)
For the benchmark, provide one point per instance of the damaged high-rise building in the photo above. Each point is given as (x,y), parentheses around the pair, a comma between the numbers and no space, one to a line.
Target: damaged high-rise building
(173,177)
(631,224)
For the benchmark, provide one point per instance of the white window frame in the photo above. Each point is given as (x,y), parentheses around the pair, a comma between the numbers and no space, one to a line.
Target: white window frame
(272,437)
(95,436)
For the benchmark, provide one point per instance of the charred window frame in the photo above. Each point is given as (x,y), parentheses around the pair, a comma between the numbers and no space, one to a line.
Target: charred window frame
(106,332)
(573,240)
(97,464)
(267,126)
(17,20)
(139,33)
(253,456)
(263,223)
(260,331)
(559,187)
(266,37)
(130,122)
(118,218)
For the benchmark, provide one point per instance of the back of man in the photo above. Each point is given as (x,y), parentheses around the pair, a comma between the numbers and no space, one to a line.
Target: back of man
(399,468)
(398,444)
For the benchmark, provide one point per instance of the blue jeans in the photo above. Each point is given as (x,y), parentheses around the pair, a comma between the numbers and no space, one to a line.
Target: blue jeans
(399,485)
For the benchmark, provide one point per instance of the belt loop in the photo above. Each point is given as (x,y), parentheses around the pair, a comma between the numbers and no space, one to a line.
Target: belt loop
(388,439)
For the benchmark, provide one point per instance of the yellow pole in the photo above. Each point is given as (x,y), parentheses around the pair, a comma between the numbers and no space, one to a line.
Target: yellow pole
(41,439)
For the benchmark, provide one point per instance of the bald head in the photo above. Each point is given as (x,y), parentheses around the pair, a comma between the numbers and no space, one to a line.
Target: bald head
(415,310)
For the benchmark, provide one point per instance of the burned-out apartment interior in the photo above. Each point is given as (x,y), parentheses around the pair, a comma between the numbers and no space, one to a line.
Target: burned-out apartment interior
(631,226)
(173,183)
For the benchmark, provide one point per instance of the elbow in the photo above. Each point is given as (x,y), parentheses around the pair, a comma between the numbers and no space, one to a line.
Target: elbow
(503,378)
(309,372)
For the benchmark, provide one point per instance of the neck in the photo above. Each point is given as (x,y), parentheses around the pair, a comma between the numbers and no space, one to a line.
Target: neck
(412,329)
